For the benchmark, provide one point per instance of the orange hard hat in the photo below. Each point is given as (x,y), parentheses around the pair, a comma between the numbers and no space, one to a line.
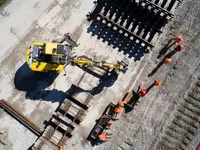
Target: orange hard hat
(158,82)
(102,137)
(61,148)
(177,38)
(167,60)
(117,110)
(121,104)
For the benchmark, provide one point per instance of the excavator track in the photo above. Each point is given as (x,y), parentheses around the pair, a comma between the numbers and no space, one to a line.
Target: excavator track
(184,127)
(138,20)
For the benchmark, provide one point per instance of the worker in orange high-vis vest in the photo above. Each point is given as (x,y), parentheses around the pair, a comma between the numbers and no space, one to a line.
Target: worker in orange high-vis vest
(117,110)
(142,92)
(167,60)
(109,123)
(102,137)
(61,148)
(158,82)
(121,104)
(177,38)
(179,47)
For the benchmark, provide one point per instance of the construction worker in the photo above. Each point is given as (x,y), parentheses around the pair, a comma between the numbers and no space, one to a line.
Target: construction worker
(167,60)
(179,47)
(177,38)
(117,110)
(61,148)
(109,123)
(104,137)
(198,147)
(142,92)
(158,82)
(121,104)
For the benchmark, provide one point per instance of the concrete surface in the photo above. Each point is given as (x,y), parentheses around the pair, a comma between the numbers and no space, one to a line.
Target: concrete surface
(23,22)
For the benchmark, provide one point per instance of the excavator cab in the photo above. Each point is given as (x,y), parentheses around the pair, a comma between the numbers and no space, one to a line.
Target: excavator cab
(44,57)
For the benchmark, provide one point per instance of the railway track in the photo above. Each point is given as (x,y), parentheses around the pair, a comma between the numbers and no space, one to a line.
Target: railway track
(20,117)
(184,126)
(138,20)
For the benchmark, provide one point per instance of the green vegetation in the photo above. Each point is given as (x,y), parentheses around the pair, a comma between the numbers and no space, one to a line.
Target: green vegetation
(2,2)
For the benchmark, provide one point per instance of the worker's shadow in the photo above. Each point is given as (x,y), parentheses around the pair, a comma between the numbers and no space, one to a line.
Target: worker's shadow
(164,50)
(169,55)
(107,80)
(34,83)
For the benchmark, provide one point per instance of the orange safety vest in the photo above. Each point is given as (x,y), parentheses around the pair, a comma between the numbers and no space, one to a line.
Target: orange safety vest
(117,110)
(102,137)
(61,148)
(121,104)
(158,82)
(167,60)
(177,38)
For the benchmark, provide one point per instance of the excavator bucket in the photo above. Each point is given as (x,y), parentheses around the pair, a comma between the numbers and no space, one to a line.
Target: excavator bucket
(124,63)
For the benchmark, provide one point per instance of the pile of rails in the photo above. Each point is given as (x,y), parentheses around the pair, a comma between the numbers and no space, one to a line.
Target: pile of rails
(64,120)
(20,117)
(139,20)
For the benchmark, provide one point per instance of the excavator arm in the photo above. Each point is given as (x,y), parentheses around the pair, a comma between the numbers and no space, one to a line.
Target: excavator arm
(120,66)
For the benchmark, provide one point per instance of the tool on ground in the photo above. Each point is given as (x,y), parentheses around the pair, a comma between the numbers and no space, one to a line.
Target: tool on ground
(48,56)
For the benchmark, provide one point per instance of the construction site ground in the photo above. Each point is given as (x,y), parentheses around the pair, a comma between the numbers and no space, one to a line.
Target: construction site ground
(23,22)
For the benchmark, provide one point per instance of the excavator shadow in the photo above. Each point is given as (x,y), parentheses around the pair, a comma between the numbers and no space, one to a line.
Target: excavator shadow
(107,80)
(33,83)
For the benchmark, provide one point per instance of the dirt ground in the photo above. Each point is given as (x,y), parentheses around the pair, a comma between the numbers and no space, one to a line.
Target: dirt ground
(141,129)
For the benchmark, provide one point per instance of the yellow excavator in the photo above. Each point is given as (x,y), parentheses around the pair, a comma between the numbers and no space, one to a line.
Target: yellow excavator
(49,56)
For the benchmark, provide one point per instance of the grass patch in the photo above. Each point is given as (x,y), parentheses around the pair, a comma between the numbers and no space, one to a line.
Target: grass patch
(2,2)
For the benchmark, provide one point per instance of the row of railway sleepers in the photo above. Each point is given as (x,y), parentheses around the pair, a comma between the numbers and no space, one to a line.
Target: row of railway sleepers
(169,5)
(64,120)
(166,5)
(138,24)
(185,125)
(142,22)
